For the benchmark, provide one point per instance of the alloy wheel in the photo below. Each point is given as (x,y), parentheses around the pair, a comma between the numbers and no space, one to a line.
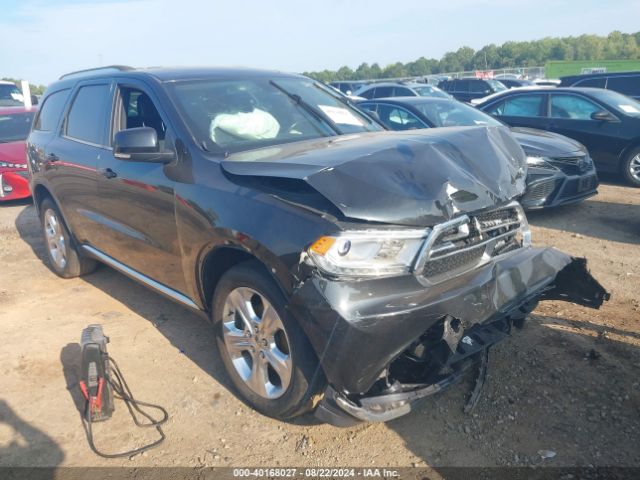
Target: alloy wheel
(257,343)
(55,239)
(634,167)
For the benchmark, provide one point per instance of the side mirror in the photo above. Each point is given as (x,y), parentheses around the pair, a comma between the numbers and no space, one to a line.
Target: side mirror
(139,145)
(603,116)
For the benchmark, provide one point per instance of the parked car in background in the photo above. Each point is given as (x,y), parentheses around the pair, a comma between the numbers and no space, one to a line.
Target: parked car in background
(604,121)
(627,83)
(467,89)
(15,123)
(515,82)
(348,88)
(345,268)
(378,90)
(10,95)
(560,170)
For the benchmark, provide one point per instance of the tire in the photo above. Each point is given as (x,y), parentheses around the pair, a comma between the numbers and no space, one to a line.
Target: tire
(631,161)
(277,351)
(63,255)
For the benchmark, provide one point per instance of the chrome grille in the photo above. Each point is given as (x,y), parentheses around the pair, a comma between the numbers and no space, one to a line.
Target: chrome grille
(572,165)
(470,240)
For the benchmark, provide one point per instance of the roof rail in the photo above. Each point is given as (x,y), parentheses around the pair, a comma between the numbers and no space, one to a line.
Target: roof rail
(121,68)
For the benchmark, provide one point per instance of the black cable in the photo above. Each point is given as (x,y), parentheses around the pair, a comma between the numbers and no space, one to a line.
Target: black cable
(123,392)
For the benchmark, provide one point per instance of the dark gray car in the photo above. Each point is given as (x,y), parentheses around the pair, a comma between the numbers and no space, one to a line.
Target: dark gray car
(560,170)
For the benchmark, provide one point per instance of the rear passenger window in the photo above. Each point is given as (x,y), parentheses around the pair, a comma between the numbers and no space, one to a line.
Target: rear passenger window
(402,92)
(86,119)
(519,106)
(50,111)
(461,86)
(479,86)
(626,85)
(382,92)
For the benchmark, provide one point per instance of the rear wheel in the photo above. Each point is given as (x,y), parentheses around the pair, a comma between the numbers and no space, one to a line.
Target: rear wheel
(265,352)
(631,167)
(62,253)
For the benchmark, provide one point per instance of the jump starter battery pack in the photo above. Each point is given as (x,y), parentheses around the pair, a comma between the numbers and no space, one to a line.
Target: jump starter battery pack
(95,373)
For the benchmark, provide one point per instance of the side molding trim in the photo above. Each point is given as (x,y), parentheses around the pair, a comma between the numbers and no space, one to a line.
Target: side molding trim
(135,275)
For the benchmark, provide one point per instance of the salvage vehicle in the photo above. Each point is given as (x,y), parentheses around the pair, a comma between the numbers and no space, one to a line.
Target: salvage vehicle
(15,123)
(560,170)
(345,268)
(604,121)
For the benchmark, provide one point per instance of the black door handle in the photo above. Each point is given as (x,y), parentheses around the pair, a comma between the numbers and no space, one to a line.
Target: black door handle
(52,157)
(107,172)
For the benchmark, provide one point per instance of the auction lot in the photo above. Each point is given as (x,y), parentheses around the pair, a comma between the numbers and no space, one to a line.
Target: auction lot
(568,383)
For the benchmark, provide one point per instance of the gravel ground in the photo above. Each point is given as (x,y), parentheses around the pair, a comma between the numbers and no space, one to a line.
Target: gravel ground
(564,391)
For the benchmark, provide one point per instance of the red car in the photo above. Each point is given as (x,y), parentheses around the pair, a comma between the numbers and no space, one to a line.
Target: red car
(15,123)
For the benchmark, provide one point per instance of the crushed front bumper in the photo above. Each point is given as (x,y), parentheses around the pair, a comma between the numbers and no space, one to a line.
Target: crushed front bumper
(358,328)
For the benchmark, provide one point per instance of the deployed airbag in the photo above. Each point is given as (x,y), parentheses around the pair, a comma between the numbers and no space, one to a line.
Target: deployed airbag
(254,125)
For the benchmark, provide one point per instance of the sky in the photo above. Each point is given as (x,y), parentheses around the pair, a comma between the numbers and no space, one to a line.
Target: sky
(42,39)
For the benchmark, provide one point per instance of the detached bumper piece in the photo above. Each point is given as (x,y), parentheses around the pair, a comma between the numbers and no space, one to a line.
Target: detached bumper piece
(456,342)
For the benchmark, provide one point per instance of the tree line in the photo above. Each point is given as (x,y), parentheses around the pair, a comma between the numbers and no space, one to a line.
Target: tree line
(615,46)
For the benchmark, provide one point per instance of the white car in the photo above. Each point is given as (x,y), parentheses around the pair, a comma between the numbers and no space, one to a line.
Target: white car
(10,95)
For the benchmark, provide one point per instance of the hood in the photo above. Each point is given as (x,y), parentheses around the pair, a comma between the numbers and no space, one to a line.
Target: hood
(14,152)
(417,178)
(540,143)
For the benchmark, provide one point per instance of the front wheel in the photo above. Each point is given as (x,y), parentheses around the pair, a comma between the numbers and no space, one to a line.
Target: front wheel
(265,352)
(64,257)
(631,167)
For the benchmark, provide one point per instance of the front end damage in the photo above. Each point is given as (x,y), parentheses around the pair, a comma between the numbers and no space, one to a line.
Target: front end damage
(425,263)
(386,343)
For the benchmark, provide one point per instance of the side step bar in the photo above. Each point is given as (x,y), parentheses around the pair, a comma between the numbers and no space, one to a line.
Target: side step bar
(135,275)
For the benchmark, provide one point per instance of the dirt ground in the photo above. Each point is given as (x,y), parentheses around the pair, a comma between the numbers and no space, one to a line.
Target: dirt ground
(569,382)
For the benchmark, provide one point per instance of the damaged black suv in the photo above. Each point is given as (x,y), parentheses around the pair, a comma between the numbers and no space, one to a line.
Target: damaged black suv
(346,269)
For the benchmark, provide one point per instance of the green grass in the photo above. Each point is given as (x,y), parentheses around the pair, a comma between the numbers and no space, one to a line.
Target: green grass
(557,69)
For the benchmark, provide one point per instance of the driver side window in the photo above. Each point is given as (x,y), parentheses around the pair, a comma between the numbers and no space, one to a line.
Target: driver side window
(136,109)
(573,107)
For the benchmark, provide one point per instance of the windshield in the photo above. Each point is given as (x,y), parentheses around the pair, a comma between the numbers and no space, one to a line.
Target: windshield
(431,91)
(496,85)
(450,113)
(619,101)
(10,96)
(236,115)
(15,127)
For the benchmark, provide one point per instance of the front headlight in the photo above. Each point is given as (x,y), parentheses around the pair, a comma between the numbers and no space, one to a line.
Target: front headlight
(540,162)
(368,253)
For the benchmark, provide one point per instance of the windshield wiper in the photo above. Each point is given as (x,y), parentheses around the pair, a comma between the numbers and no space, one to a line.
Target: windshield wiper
(319,114)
